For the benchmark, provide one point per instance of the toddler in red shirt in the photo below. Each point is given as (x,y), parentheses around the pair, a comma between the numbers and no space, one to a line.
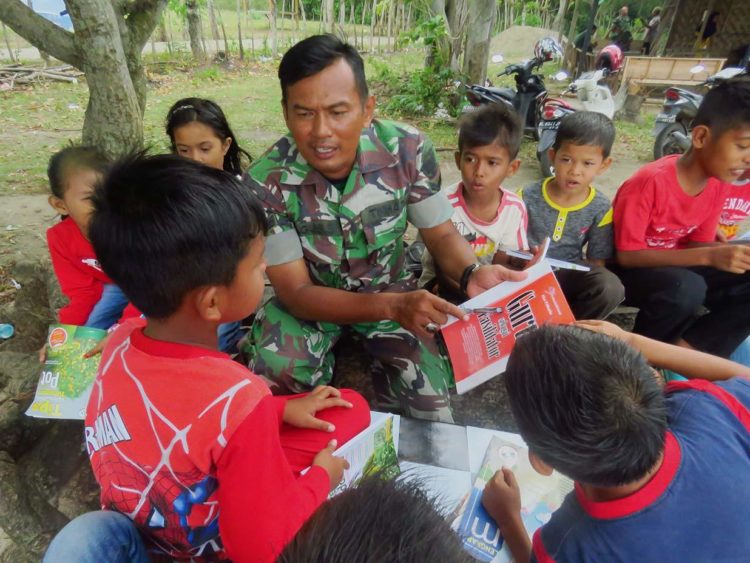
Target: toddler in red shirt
(93,300)
(185,442)
(666,218)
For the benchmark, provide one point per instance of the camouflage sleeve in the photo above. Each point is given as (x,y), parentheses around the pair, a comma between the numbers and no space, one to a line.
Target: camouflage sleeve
(282,241)
(427,206)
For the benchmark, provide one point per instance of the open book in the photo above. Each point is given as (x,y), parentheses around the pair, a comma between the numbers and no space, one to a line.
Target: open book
(479,348)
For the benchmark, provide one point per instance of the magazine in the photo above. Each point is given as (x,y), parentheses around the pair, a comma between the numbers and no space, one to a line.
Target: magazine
(453,464)
(66,379)
(479,348)
(372,451)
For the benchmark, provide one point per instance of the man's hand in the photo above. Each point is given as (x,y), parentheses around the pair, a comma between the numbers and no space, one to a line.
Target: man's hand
(604,327)
(487,277)
(733,258)
(301,412)
(333,465)
(414,310)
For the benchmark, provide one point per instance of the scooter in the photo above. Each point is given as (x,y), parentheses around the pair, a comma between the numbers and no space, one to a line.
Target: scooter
(527,99)
(591,95)
(675,122)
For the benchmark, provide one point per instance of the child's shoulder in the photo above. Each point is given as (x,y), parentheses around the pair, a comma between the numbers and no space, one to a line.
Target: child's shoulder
(64,229)
(659,171)
(531,191)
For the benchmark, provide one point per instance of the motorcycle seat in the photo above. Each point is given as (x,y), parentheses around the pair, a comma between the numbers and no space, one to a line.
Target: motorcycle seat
(504,92)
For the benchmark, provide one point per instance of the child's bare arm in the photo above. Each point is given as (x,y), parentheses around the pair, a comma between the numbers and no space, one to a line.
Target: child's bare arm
(687,362)
(732,258)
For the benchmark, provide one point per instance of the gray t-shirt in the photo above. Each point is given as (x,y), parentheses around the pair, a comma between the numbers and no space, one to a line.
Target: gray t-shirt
(588,224)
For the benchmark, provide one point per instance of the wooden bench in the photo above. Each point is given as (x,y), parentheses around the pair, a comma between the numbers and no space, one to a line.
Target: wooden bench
(667,71)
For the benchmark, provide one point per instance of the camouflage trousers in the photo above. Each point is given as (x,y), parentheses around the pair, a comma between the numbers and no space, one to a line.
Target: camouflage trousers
(409,375)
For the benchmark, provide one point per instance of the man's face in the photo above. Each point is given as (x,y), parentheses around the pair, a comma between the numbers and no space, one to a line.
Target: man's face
(624,11)
(325,115)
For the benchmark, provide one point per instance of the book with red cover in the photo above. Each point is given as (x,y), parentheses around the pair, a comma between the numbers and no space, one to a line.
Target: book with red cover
(479,348)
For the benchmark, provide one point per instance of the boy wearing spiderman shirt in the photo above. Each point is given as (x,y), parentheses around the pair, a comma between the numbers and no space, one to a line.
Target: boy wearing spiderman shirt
(660,472)
(666,219)
(188,444)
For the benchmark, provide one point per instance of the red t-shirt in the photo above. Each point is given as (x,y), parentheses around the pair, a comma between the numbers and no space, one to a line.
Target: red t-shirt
(186,442)
(736,208)
(652,212)
(77,269)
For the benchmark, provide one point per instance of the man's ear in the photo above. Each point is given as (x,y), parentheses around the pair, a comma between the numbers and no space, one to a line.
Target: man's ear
(457,156)
(283,110)
(369,110)
(58,205)
(208,301)
(226,144)
(538,465)
(513,167)
(701,136)
(606,163)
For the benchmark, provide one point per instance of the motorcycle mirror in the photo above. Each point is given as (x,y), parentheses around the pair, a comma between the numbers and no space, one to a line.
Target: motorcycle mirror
(498,58)
(697,69)
(562,75)
(457,84)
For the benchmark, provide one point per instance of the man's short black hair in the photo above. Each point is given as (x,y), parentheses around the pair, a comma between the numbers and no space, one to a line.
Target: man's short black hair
(376,521)
(725,107)
(586,128)
(165,225)
(492,124)
(311,55)
(586,404)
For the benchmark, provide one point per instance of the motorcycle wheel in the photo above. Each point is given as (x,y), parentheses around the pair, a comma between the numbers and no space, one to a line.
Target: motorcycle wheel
(665,144)
(545,164)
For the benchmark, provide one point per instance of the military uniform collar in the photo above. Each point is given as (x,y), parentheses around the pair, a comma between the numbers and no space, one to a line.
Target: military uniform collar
(372,155)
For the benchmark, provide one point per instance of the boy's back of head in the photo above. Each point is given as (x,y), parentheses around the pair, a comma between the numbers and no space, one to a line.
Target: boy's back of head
(726,106)
(491,124)
(587,405)
(586,128)
(165,225)
(376,521)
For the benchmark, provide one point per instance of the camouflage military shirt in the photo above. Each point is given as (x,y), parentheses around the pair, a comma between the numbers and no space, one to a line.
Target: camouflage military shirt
(351,238)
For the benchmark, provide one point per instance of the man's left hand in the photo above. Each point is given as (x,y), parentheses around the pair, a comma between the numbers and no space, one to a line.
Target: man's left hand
(487,277)
(301,412)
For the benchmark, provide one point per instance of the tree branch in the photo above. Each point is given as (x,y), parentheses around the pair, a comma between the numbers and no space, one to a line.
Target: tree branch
(142,19)
(40,32)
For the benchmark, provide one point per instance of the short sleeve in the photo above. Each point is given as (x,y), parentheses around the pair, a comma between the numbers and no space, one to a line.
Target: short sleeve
(282,241)
(632,209)
(427,206)
(600,235)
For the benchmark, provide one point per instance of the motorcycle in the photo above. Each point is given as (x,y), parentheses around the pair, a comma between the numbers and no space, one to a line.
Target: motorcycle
(591,95)
(530,93)
(675,121)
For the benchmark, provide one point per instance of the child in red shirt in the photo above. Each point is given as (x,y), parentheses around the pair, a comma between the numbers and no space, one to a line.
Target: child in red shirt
(187,443)
(93,299)
(666,218)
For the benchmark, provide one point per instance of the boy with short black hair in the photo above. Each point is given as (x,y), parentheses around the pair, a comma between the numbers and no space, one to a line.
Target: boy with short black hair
(490,217)
(187,443)
(576,218)
(666,216)
(649,485)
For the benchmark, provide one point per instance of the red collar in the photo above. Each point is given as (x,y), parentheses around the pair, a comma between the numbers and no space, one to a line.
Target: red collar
(643,497)
(154,347)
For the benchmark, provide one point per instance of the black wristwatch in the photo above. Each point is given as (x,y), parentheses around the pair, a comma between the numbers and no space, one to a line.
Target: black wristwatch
(465,276)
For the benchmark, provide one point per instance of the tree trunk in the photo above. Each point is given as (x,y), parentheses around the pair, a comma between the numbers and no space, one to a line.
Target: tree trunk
(195,32)
(373,16)
(559,22)
(212,23)
(11,55)
(330,22)
(481,17)
(574,21)
(391,9)
(342,13)
(272,16)
(239,29)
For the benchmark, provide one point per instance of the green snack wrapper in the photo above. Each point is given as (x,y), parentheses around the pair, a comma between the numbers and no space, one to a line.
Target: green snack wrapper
(66,379)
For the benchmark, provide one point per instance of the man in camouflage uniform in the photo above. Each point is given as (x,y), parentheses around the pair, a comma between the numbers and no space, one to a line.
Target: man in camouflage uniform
(338,192)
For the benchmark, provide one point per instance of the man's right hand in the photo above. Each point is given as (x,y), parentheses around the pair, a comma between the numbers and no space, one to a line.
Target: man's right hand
(414,310)
(734,258)
(333,465)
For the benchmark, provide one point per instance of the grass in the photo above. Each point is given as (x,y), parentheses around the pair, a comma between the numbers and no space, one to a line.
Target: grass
(39,120)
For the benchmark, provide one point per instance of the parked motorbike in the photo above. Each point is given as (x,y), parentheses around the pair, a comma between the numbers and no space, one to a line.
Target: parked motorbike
(530,91)
(591,95)
(675,122)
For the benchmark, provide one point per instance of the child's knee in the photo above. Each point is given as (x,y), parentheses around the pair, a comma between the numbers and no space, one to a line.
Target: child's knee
(688,293)
(359,415)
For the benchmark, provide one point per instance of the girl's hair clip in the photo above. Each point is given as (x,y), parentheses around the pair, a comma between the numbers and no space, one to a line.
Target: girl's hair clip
(180,108)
